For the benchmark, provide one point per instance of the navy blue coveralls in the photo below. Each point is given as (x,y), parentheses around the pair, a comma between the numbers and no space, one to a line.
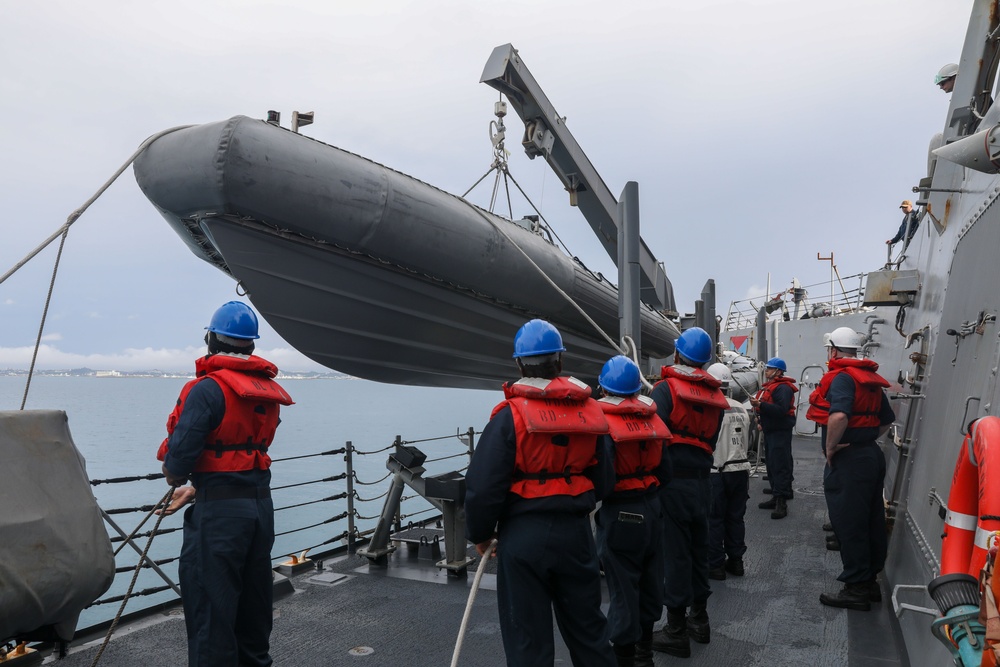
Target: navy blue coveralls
(632,556)
(547,558)
(853,489)
(687,503)
(777,426)
(225,562)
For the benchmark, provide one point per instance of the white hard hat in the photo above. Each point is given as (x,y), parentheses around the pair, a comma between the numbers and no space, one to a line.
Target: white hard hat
(844,338)
(721,373)
(948,71)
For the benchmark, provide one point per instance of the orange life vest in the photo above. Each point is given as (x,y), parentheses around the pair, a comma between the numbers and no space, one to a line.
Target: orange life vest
(556,425)
(247,429)
(698,405)
(766,393)
(867,393)
(638,433)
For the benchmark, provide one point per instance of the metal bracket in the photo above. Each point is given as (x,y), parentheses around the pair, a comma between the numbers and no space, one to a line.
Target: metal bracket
(899,607)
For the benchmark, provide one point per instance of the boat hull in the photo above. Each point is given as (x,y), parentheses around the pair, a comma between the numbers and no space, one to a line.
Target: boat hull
(371,272)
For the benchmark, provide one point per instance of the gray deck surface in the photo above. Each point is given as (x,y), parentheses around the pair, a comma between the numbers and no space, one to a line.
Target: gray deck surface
(410,612)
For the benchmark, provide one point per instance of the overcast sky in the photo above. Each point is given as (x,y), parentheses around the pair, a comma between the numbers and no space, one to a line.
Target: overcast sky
(760,132)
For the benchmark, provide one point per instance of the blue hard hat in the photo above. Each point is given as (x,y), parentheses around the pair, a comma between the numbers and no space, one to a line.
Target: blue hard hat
(695,344)
(535,338)
(234,319)
(776,362)
(620,376)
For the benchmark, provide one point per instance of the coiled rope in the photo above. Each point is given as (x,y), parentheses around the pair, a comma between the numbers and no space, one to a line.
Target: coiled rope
(472,598)
(62,232)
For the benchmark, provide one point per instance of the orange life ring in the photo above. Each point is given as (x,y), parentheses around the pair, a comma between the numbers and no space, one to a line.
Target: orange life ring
(973,502)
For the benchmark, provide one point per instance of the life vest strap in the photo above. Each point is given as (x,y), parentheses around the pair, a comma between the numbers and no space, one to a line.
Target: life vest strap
(731,463)
(544,475)
(688,434)
(247,447)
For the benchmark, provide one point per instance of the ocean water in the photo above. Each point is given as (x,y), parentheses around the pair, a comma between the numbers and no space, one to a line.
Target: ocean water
(118,423)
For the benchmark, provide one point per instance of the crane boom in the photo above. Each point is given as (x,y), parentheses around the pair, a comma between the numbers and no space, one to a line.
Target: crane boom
(546,135)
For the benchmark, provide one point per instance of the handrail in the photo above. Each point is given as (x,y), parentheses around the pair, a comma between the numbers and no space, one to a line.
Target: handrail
(318,534)
(742,314)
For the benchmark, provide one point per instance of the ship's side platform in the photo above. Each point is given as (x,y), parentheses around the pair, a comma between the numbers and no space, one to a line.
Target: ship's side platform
(409,613)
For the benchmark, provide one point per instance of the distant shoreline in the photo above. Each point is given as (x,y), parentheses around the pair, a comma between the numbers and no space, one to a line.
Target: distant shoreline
(155,373)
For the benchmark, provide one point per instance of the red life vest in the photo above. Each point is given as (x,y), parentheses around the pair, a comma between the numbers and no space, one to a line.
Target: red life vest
(766,393)
(247,429)
(867,393)
(557,424)
(698,405)
(638,433)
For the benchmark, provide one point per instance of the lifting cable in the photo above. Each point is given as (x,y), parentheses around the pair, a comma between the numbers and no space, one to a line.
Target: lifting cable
(551,282)
(62,232)
(627,347)
(472,598)
(164,502)
(500,165)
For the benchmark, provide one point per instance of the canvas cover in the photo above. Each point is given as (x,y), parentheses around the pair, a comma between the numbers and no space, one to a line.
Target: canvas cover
(55,555)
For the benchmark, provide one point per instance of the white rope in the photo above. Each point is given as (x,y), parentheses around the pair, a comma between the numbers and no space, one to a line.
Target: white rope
(610,341)
(629,344)
(472,598)
(78,212)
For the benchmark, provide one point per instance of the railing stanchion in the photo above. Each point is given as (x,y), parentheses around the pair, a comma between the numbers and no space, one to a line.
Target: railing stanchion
(349,469)
(398,521)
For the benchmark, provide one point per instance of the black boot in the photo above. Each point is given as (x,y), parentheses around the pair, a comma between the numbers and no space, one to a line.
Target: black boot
(644,654)
(768,504)
(874,591)
(625,653)
(672,639)
(768,491)
(697,624)
(851,596)
(734,566)
(780,509)
(832,543)
(828,527)
(717,573)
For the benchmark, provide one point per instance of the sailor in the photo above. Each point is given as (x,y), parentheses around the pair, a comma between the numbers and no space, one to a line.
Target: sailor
(689,402)
(218,438)
(630,520)
(851,406)
(533,481)
(730,481)
(945,78)
(908,227)
(775,406)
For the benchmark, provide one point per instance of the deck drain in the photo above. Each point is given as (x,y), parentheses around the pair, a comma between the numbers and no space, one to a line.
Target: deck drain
(361,650)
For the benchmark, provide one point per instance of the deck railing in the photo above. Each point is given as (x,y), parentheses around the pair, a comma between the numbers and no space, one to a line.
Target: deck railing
(836,297)
(320,507)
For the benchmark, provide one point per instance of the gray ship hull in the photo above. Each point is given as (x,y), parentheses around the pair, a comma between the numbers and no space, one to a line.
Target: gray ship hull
(369,271)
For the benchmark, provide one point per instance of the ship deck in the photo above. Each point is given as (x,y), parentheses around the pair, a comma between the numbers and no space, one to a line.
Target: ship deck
(410,612)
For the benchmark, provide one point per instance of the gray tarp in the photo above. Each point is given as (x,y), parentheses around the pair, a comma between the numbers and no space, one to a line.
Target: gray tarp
(55,555)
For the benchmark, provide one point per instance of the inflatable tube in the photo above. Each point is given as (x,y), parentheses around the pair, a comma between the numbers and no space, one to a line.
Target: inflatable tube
(973,502)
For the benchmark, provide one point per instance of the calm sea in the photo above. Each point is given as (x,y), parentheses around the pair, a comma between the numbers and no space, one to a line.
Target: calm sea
(118,423)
